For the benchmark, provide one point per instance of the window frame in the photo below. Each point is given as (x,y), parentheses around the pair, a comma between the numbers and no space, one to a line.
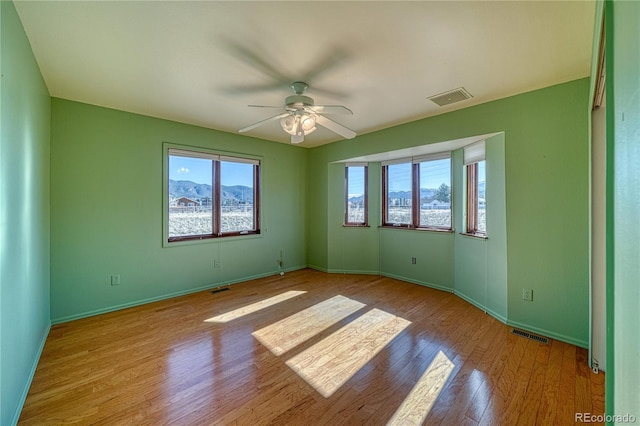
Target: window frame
(365,222)
(474,154)
(385,192)
(256,194)
(216,157)
(472,201)
(415,193)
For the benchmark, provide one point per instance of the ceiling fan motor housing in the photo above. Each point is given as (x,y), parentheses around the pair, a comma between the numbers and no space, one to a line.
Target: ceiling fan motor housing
(298,101)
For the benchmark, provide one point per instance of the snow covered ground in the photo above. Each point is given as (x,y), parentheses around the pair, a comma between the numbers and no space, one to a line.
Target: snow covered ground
(199,222)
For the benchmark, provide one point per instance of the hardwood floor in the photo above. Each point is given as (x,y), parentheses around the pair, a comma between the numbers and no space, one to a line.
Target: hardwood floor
(330,350)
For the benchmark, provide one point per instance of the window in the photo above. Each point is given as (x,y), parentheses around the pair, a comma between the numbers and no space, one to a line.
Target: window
(211,195)
(417,192)
(356,194)
(475,164)
(397,194)
(435,193)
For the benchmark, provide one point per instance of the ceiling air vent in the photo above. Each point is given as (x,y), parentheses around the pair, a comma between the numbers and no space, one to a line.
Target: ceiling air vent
(450,97)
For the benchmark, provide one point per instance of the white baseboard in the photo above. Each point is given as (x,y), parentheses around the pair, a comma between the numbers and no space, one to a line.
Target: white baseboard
(32,372)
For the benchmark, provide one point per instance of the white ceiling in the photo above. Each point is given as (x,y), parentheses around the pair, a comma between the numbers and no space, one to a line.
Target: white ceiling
(204,62)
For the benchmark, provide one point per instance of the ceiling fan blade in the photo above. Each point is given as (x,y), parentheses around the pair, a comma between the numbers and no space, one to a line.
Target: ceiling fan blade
(331,59)
(251,88)
(297,138)
(330,109)
(252,56)
(335,127)
(265,106)
(260,123)
(326,92)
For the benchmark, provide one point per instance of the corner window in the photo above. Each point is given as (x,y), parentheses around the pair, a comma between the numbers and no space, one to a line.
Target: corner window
(435,193)
(211,195)
(356,194)
(417,192)
(397,194)
(475,165)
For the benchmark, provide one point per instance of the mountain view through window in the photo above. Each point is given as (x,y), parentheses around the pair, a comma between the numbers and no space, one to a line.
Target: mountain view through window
(210,196)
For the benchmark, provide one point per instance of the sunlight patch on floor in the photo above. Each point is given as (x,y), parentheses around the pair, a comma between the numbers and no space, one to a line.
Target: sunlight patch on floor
(330,363)
(254,307)
(288,333)
(416,406)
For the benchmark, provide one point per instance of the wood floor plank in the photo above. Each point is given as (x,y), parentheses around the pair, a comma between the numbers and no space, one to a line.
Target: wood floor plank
(489,366)
(417,405)
(503,380)
(516,403)
(164,363)
(460,390)
(583,403)
(331,362)
(528,412)
(290,332)
(549,398)
(565,413)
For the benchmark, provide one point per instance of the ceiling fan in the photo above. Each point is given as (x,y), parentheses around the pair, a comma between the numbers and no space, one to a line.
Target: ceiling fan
(301,116)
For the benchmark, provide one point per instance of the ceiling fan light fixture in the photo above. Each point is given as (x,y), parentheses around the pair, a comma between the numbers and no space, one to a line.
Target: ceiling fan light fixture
(298,124)
(289,124)
(308,123)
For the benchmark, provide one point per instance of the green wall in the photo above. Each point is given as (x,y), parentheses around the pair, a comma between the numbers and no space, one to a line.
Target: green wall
(481,265)
(356,249)
(24,214)
(106,212)
(623,207)
(546,207)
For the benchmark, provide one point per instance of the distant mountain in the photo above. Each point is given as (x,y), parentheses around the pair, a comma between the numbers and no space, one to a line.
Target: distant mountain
(237,192)
(186,188)
(427,193)
(196,191)
(400,194)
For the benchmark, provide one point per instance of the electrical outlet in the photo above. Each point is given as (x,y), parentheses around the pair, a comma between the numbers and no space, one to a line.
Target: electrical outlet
(216,263)
(413,260)
(115,279)
(527,294)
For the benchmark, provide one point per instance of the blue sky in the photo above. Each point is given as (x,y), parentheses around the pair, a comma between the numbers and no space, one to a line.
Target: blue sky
(198,170)
(433,174)
(356,181)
